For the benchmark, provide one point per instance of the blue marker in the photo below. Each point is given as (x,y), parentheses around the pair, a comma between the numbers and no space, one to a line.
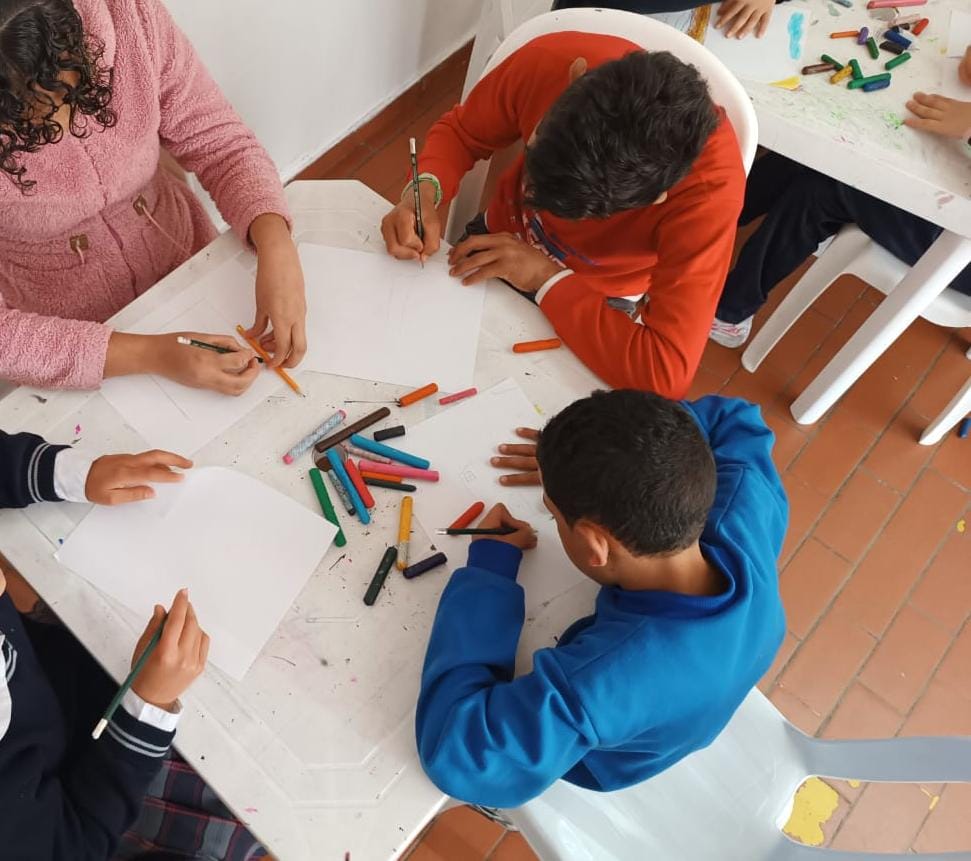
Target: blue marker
(386,451)
(337,468)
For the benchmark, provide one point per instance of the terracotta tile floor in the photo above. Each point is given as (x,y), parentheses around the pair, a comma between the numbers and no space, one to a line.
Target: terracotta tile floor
(876,571)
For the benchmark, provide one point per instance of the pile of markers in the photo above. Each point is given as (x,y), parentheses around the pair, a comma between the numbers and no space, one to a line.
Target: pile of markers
(898,39)
(380,466)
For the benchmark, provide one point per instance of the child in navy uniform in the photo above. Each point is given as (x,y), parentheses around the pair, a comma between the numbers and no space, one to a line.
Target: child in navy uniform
(678,512)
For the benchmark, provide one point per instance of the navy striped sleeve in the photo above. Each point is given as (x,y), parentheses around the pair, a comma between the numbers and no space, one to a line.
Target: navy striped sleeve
(26,470)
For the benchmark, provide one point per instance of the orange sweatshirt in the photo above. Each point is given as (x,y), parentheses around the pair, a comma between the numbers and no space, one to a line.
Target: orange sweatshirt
(677,252)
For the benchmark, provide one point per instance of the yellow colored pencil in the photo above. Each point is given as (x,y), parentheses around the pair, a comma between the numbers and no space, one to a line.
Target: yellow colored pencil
(266,358)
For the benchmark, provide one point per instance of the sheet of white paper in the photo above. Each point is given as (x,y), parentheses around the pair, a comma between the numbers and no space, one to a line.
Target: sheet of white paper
(681,21)
(959,34)
(774,57)
(459,441)
(951,85)
(198,534)
(376,318)
(176,417)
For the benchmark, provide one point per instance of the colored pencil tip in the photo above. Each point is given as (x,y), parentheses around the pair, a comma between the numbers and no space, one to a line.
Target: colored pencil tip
(99,728)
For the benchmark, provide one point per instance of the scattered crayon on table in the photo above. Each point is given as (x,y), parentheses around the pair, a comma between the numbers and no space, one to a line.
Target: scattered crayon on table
(841,75)
(458,396)
(326,506)
(859,83)
(360,452)
(535,346)
(388,433)
(891,47)
(341,493)
(406,399)
(845,34)
(918,28)
(359,484)
(863,35)
(404,531)
(378,475)
(384,566)
(826,58)
(388,484)
(314,436)
(856,71)
(353,428)
(897,61)
(395,454)
(875,85)
(398,469)
(467,516)
(425,565)
(340,472)
(903,41)
(871,46)
(817,68)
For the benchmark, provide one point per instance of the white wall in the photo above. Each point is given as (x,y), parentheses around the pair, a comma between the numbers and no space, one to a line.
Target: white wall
(304,73)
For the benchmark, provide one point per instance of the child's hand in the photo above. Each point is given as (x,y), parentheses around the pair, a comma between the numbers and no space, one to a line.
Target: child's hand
(227,373)
(964,70)
(521,457)
(501,255)
(741,17)
(399,231)
(178,659)
(940,115)
(524,537)
(117,478)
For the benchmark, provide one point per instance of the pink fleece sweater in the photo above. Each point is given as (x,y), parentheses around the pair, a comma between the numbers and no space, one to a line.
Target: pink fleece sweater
(79,247)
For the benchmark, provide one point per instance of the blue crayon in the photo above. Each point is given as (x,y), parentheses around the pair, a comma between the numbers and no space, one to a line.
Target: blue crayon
(337,466)
(964,428)
(386,450)
(875,85)
(901,40)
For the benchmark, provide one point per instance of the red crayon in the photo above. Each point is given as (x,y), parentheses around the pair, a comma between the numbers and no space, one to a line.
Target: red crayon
(918,28)
(465,393)
(358,483)
(467,517)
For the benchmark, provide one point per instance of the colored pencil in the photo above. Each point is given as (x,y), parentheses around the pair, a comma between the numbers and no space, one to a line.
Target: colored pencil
(341,474)
(283,375)
(395,454)
(497,530)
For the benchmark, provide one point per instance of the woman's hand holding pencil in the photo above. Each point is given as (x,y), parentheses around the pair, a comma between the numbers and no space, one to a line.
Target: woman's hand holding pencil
(231,372)
(177,660)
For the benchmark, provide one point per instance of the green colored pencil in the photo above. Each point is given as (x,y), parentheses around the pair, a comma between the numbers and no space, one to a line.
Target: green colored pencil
(126,685)
(326,505)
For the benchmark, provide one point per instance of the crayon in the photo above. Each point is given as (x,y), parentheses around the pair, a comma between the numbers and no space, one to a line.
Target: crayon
(341,492)
(326,506)
(826,58)
(417,395)
(892,47)
(387,451)
(388,433)
(360,452)
(465,393)
(857,74)
(842,74)
(918,28)
(467,516)
(896,61)
(894,4)
(398,469)
(817,68)
(384,566)
(390,485)
(863,35)
(858,83)
(324,428)
(352,428)
(845,34)
(404,531)
(381,476)
(425,565)
(341,474)
(875,85)
(358,483)
(903,41)
(871,46)
(535,346)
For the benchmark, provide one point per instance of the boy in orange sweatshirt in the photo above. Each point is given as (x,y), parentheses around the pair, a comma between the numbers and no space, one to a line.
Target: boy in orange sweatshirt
(630,186)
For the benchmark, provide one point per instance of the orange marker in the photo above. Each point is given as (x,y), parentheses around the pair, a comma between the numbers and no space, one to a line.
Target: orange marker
(534,346)
(845,34)
(467,517)
(380,476)
(266,358)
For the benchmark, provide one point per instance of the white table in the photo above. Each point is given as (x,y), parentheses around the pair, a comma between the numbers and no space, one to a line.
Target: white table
(857,138)
(314,749)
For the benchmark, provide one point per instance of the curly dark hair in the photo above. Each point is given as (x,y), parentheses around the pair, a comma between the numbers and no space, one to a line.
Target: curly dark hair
(47,60)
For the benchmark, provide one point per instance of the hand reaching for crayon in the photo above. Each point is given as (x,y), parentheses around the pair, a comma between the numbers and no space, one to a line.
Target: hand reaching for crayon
(399,230)
(524,537)
(520,457)
(118,478)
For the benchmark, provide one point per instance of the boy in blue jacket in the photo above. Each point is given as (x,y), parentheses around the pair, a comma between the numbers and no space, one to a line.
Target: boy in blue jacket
(677,511)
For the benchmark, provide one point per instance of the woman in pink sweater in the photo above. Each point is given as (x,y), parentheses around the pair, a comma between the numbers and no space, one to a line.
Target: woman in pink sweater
(89,93)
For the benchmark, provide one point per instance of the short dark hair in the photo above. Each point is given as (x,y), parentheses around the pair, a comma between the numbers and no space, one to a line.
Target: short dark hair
(634,463)
(40,40)
(619,136)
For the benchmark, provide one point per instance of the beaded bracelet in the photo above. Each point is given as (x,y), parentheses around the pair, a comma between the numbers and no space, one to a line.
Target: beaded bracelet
(430,178)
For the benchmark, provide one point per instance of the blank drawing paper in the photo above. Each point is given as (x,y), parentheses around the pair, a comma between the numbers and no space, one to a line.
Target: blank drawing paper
(459,442)
(243,550)
(376,318)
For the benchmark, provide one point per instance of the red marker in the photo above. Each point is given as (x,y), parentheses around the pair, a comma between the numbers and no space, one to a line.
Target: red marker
(465,393)
(467,517)
(358,482)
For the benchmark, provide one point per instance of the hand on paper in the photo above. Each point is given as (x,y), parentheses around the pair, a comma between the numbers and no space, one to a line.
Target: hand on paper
(281,304)
(228,373)
(939,115)
(399,230)
(520,457)
(964,70)
(118,478)
(179,658)
(741,17)
(501,255)
(524,537)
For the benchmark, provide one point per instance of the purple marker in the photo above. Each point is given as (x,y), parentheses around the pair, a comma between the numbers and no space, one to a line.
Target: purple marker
(316,434)
(864,35)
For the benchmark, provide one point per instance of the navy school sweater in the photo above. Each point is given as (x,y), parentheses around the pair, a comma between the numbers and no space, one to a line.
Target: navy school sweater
(26,469)
(648,678)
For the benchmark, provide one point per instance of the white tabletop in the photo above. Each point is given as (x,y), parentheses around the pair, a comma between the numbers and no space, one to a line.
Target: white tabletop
(314,749)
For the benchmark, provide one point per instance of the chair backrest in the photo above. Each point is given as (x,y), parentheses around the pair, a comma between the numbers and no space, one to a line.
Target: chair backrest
(730,800)
(640,29)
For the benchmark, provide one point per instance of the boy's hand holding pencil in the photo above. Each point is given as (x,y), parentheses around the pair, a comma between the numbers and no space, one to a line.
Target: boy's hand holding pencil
(524,536)
(400,230)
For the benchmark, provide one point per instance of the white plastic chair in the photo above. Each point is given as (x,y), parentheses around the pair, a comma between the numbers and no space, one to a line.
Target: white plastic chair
(957,409)
(729,801)
(499,14)
(851,252)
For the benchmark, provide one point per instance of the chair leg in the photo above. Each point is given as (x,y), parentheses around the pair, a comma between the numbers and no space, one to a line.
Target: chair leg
(948,255)
(842,251)
(956,410)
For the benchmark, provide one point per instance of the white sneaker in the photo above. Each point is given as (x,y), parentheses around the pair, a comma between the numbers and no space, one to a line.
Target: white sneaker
(730,334)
